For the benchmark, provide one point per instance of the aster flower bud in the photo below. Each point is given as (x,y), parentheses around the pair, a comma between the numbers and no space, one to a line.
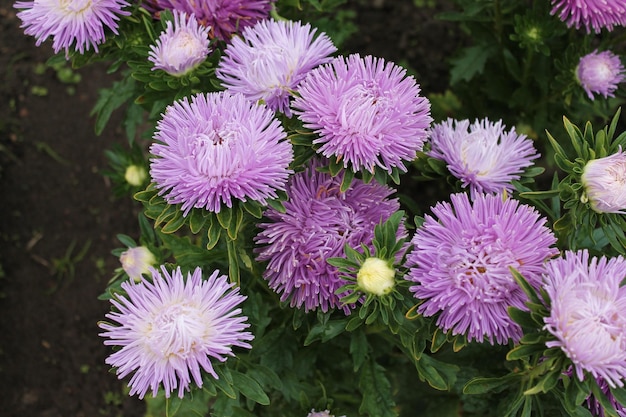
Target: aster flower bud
(376,276)
(604,180)
(181,47)
(135,175)
(137,261)
(600,73)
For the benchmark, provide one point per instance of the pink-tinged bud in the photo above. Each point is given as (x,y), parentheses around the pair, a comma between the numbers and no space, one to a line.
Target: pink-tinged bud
(182,47)
(137,261)
(604,180)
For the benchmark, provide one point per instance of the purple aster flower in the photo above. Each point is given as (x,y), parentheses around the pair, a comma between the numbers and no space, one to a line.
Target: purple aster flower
(596,407)
(604,180)
(217,147)
(181,47)
(271,59)
(225,17)
(170,329)
(318,222)
(588,313)
(600,73)
(365,111)
(78,23)
(483,155)
(592,14)
(461,264)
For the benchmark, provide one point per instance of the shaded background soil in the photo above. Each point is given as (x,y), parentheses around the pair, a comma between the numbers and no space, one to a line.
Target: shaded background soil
(55,205)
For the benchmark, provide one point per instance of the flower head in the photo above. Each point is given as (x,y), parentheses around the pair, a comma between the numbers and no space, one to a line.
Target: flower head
(588,313)
(225,17)
(600,73)
(483,155)
(365,111)
(181,47)
(137,261)
(461,264)
(376,276)
(77,24)
(604,180)
(171,329)
(216,148)
(592,14)
(271,58)
(318,222)
(324,413)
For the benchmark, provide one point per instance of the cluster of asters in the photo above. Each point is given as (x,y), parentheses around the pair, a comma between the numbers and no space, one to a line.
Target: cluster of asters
(213,149)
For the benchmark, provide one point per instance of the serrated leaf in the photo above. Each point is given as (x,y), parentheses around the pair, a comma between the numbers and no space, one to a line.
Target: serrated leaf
(358,349)
(470,63)
(377,398)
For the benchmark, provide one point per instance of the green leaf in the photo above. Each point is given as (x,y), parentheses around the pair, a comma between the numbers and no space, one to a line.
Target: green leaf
(174,223)
(487,385)
(224,217)
(224,382)
(439,375)
(470,63)
(358,348)
(325,331)
(376,391)
(346,181)
(213,233)
(197,220)
(249,388)
(126,240)
(524,351)
(111,99)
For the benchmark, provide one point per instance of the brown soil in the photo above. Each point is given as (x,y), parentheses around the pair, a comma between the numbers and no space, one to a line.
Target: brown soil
(54,197)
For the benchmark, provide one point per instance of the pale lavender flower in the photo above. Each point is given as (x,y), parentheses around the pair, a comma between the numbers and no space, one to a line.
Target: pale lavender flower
(225,17)
(591,14)
(271,58)
(325,413)
(137,261)
(600,73)
(461,264)
(181,47)
(319,220)
(76,24)
(170,329)
(588,313)
(483,155)
(365,111)
(604,180)
(216,148)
